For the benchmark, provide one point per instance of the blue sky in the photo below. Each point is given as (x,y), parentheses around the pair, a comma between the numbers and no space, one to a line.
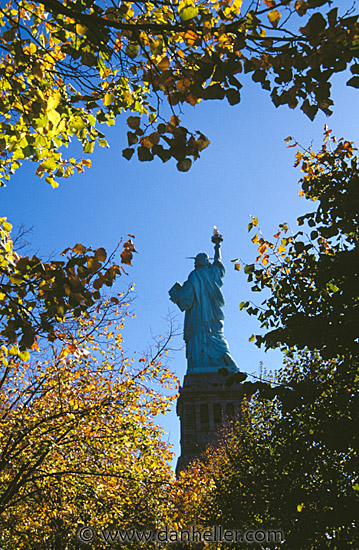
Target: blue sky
(247,170)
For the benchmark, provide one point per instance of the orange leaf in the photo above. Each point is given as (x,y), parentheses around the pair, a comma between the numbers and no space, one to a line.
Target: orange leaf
(192,38)
(262,249)
(269,3)
(175,120)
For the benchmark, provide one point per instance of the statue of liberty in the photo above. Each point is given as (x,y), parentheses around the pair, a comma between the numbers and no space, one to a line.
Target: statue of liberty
(202,300)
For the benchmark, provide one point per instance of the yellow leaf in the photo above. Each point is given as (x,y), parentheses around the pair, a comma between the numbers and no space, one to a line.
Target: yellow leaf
(281,248)
(24,356)
(254,221)
(108,99)
(237,4)
(300,507)
(274,17)
(237,267)
(81,29)
(52,102)
(54,117)
(301,193)
(7,227)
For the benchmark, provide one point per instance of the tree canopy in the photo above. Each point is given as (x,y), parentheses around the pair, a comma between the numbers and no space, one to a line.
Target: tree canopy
(68,66)
(282,467)
(37,296)
(297,457)
(312,274)
(79,444)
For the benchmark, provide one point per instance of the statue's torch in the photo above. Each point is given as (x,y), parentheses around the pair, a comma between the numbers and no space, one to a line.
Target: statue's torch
(216,237)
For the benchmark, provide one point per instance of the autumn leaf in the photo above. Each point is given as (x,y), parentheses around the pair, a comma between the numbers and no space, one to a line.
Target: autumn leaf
(127,253)
(270,3)
(274,17)
(79,249)
(101,255)
(108,99)
(133,122)
(163,64)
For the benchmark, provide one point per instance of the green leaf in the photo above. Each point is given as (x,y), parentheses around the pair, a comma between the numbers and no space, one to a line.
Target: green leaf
(132,138)
(132,49)
(233,96)
(188,12)
(248,269)
(184,165)
(133,122)
(78,123)
(127,153)
(215,91)
(49,164)
(354,82)
(144,154)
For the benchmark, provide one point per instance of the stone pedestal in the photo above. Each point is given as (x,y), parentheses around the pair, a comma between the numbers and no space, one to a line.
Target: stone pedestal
(206,402)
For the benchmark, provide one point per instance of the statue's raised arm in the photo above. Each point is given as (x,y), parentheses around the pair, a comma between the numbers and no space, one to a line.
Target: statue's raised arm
(202,300)
(217,239)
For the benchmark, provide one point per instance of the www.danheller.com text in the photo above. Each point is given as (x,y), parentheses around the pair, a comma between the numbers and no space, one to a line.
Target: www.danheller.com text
(88,534)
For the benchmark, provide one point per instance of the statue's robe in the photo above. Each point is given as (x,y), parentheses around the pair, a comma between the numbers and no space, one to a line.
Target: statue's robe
(202,300)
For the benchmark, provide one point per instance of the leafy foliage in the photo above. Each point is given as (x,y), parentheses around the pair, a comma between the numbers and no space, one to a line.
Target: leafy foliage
(78,442)
(36,296)
(283,467)
(297,458)
(313,279)
(69,65)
